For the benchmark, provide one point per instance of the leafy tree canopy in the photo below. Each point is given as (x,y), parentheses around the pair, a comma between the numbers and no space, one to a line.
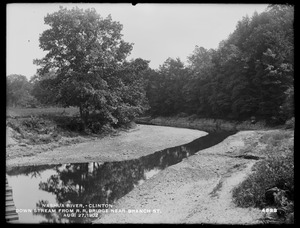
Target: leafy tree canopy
(251,73)
(85,63)
(19,91)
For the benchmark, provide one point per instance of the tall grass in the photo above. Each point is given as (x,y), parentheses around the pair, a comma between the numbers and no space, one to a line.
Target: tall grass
(204,124)
(277,170)
(42,125)
(272,172)
(27,112)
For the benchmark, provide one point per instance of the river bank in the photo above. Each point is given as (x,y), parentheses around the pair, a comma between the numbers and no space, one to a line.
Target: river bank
(133,143)
(198,189)
(209,125)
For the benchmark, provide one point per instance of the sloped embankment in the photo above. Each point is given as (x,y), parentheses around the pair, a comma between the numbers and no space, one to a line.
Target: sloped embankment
(196,190)
(202,124)
(130,144)
(200,188)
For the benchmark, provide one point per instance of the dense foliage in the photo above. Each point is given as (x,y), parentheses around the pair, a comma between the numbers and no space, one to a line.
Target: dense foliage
(86,67)
(250,74)
(19,91)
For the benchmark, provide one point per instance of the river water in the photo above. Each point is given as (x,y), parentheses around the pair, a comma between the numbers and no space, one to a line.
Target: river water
(79,192)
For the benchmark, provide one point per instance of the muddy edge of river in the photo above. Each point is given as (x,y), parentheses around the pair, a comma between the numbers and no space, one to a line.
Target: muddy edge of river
(137,142)
(196,190)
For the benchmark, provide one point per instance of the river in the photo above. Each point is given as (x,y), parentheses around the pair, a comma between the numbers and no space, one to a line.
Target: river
(79,192)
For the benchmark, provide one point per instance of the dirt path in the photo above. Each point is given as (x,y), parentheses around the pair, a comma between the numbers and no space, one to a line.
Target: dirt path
(139,141)
(196,190)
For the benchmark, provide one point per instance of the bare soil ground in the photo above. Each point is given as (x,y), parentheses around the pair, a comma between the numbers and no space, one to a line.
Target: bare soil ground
(134,143)
(196,190)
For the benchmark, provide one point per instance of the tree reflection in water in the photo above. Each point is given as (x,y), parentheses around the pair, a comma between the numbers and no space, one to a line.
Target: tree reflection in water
(96,183)
(32,171)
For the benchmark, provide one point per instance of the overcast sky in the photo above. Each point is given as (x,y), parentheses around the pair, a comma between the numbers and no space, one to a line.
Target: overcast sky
(158,31)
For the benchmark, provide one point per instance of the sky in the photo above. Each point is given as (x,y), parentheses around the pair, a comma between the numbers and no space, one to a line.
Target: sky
(158,31)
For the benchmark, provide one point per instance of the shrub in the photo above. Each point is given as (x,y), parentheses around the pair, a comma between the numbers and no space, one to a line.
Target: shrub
(272,172)
(193,117)
(275,172)
(290,123)
(32,123)
(247,125)
(182,114)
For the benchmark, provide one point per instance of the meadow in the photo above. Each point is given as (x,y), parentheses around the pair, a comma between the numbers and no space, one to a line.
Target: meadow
(15,112)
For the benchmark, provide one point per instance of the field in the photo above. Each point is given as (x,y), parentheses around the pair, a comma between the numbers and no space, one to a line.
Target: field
(27,112)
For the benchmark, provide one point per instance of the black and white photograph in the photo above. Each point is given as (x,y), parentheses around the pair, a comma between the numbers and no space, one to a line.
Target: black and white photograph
(149,113)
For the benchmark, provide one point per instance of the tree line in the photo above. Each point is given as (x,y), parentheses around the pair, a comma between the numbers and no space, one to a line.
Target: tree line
(251,73)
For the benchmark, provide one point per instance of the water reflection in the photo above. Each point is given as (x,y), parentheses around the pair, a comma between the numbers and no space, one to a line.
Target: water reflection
(98,183)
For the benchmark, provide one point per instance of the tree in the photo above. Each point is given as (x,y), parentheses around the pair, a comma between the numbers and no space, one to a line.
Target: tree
(86,54)
(271,59)
(132,90)
(19,91)
(43,90)
(165,88)
(250,74)
(200,60)
(197,88)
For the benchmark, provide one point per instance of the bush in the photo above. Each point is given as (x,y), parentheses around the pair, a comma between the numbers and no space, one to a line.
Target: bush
(278,143)
(32,123)
(247,125)
(275,173)
(182,114)
(272,172)
(290,124)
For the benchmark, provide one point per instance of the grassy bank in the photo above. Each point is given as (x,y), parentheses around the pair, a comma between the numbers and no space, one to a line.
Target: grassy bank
(39,132)
(47,111)
(208,125)
(30,130)
(271,185)
(36,126)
